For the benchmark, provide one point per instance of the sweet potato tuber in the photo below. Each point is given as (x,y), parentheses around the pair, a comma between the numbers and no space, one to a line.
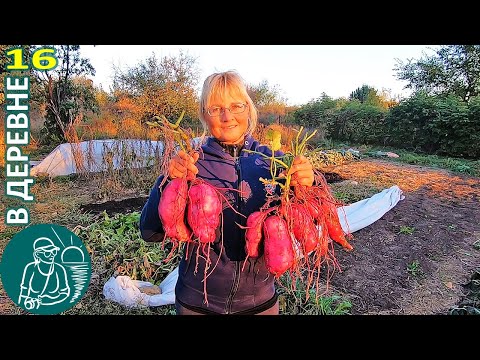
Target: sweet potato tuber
(203,211)
(279,253)
(171,210)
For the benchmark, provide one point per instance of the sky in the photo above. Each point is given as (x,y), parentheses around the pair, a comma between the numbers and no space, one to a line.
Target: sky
(300,73)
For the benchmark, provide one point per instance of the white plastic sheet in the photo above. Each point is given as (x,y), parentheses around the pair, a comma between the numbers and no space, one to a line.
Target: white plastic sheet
(97,155)
(358,215)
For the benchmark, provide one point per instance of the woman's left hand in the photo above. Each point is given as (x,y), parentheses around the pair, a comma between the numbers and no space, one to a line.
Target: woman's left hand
(302,172)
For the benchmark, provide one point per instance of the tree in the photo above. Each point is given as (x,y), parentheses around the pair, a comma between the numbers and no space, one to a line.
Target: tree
(270,104)
(369,96)
(163,86)
(314,113)
(361,93)
(454,69)
(387,100)
(67,92)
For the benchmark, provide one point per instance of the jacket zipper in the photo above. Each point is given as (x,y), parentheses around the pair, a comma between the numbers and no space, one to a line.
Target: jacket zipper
(236,273)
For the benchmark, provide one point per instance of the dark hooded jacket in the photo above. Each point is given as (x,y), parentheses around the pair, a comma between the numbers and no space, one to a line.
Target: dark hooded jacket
(228,289)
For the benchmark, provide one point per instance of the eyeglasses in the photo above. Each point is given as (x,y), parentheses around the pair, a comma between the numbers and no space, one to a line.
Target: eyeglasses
(234,109)
(47,252)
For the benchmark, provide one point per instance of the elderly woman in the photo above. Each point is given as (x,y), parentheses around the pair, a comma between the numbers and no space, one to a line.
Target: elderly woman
(229,115)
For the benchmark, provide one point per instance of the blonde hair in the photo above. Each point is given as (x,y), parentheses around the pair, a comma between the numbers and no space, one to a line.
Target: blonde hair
(219,84)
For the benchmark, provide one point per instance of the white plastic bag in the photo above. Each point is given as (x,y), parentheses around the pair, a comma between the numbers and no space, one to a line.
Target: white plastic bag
(126,291)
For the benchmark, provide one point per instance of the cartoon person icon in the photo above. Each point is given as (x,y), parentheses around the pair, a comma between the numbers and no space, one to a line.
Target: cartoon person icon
(44,281)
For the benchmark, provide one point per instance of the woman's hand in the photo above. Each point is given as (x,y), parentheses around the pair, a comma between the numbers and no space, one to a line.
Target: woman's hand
(302,172)
(183,165)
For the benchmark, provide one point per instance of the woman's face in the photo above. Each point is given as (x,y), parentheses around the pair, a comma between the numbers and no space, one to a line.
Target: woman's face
(227,127)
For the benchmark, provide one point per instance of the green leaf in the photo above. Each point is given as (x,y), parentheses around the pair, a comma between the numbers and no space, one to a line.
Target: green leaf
(275,138)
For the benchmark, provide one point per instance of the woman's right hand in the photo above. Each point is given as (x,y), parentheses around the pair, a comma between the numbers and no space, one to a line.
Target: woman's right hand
(183,165)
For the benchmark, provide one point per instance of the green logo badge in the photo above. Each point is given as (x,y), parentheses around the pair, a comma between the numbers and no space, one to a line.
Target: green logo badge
(45,269)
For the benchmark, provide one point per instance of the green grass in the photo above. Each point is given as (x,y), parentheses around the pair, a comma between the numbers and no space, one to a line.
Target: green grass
(470,167)
(117,249)
(294,300)
(334,305)
(348,193)
(406,230)
(414,268)
(344,196)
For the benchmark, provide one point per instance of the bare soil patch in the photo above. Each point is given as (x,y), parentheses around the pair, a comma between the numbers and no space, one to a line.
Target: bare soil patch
(427,271)
(116,206)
